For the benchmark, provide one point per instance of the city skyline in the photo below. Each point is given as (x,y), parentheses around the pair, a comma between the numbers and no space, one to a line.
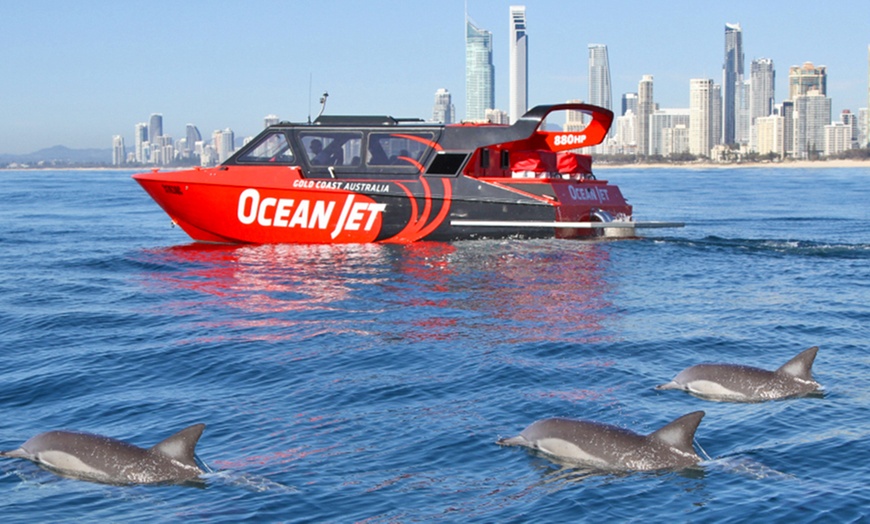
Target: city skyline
(78,74)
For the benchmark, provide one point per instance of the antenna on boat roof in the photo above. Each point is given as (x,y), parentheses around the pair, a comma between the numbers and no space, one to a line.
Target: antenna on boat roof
(310,77)
(322,103)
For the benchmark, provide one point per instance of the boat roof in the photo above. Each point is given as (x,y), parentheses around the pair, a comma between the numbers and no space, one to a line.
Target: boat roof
(471,136)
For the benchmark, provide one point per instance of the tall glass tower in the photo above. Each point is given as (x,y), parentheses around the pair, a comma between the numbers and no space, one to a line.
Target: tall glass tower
(732,81)
(193,136)
(140,142)
(701,114)
(812,114)
(155,127)
(645,106)
(600,93)
(761,93)
(762,78)
(519,63)
(119,151)
(479,72)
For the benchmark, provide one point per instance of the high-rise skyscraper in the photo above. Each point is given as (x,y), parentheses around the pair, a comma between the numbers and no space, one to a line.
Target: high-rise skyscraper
(762,78)
(496,116)
(600,93)
(119,151)
(863,122)
(140,142)
(479,72)
(701,116)
(192,136)
(732,82)
(155,127)
(519,63)
(645,107)
(805,78)
(769,135)
(443,110)
(669,132)
(224,143)
(812,112)
(716,111)
(849,119)
(867,123)
(838,138)
(786,111)
(629,103)
(574,120)
(626,133)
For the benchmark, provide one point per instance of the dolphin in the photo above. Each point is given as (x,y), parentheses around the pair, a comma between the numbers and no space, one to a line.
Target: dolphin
(607,447)
(734,383)
(107,460)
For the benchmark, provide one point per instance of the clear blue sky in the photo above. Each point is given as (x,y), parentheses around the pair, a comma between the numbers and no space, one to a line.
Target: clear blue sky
(75,73)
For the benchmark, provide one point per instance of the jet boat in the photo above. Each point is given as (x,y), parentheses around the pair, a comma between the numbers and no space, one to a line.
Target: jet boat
(359,179)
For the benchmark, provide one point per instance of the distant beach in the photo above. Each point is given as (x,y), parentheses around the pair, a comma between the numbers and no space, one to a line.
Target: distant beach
(803,164)
(597,165)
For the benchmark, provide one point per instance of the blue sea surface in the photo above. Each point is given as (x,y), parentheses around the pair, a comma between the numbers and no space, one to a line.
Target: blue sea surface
(369,383)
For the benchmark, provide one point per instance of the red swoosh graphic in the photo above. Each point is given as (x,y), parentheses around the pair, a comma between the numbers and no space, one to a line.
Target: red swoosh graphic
(417,228)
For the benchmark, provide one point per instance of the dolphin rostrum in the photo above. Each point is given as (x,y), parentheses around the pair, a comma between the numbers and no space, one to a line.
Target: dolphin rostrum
(607,447)
(103,459)
(729,382)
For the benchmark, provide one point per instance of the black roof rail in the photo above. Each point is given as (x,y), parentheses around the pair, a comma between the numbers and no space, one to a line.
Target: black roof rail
(362,120)
(355,120)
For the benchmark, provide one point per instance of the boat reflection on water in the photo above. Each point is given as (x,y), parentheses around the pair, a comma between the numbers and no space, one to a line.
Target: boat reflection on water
(268,292)
(559,293)
(509,292)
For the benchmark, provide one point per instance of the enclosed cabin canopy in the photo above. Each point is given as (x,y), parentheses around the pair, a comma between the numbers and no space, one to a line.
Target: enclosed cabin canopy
(336,146)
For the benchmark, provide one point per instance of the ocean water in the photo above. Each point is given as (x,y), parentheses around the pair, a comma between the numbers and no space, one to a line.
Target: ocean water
(369,383)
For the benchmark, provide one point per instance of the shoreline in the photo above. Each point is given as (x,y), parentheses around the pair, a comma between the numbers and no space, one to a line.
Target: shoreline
(788,164)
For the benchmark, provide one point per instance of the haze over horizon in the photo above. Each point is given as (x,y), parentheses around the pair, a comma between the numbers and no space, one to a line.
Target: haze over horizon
(78,73)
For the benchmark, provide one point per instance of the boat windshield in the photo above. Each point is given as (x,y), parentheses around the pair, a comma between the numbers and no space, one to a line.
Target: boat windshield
(272,147)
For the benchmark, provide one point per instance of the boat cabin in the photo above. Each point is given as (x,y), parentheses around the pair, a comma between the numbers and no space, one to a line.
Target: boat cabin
(354,146)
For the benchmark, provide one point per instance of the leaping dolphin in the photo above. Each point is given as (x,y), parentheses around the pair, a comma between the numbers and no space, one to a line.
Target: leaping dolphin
(734,383)
(103,459)
(607,447)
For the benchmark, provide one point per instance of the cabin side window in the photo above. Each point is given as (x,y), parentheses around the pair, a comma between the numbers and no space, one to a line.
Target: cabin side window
(398,149)
(332,148)
(273,147)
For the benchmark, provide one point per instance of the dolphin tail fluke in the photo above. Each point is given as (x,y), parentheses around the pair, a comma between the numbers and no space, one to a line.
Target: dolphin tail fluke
(181,446)
(801,366)
(679,433)
(512,441)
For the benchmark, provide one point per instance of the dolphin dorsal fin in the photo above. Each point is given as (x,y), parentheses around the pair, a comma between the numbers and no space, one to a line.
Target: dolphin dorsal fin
(801,366)
(679,433)
(182,445)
